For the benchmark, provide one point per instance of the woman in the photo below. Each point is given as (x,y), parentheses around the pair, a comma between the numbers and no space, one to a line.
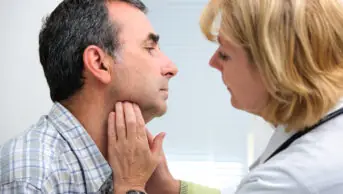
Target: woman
(283,61)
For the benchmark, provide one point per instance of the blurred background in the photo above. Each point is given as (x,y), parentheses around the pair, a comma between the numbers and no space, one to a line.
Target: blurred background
(206,136)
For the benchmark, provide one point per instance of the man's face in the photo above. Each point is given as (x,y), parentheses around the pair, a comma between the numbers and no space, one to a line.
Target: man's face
(142,71)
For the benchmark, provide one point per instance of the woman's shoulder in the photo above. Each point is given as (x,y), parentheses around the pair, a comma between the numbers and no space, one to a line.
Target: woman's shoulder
(313,162)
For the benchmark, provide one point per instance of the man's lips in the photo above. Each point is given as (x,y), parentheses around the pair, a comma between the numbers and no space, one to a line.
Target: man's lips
(165,92)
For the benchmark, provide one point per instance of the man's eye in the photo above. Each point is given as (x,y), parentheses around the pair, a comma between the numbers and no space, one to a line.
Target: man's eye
(149,49)
(223,56)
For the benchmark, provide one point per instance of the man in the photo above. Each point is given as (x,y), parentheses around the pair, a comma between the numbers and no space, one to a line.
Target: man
(94,54)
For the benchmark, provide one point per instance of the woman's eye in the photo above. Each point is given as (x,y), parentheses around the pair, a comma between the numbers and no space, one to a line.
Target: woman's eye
(223,56)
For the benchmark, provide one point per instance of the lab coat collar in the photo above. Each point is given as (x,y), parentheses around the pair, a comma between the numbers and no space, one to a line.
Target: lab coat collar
(279,137)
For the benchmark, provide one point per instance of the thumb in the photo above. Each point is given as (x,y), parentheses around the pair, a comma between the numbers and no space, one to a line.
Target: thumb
(157,144)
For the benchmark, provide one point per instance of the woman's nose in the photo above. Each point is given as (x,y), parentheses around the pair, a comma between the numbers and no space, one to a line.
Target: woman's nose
(214,63)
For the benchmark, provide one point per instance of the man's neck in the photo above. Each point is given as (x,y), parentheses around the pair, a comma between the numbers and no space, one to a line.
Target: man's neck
(92,112)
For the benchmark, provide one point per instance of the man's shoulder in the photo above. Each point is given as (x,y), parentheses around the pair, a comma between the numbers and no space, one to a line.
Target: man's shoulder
(31,156)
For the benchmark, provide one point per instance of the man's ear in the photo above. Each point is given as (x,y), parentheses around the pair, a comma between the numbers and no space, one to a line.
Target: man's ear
(97,64)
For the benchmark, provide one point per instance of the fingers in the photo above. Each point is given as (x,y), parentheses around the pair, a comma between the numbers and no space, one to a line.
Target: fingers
(112,136)
(128,149)
(141,133)
(130,121)
(120,123)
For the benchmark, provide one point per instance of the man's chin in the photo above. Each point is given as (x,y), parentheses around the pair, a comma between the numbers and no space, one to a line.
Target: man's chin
(161,112)
(154,112)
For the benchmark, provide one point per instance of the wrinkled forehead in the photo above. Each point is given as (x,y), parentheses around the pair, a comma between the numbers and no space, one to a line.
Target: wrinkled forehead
(134,24)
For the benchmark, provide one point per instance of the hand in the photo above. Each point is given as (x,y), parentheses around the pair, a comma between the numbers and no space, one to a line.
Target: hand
(161,180)
(130,156)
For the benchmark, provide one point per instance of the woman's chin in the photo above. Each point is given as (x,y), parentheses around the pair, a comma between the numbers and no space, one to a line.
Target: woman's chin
(234,103)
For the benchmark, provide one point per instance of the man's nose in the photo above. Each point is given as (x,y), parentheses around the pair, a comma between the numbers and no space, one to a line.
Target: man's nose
(170,69)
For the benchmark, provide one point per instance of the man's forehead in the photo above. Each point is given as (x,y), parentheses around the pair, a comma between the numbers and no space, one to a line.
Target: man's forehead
(119,5)
(130,19)
(121,12)
(134,25)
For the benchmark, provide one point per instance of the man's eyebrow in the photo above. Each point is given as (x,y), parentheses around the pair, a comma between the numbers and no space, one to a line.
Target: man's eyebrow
(152,37)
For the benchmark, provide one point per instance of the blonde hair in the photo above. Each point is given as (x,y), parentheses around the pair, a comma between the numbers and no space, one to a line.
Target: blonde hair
(297,47)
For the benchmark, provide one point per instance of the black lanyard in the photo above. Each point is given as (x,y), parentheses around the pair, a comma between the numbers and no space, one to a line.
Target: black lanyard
(296,136)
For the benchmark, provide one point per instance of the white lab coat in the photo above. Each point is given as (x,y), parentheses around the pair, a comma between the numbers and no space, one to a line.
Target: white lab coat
(312,164)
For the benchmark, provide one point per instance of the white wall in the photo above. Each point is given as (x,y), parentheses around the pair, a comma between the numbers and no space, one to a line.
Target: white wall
(201,125)
(24,92)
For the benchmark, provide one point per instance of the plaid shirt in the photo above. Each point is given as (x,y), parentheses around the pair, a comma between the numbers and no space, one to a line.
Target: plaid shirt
(56,155)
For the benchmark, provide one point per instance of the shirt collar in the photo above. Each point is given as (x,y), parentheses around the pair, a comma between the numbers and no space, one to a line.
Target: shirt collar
(280,136)
(96,169)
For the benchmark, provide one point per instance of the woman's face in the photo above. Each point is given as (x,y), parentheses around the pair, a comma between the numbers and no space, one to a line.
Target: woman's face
(241,78)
